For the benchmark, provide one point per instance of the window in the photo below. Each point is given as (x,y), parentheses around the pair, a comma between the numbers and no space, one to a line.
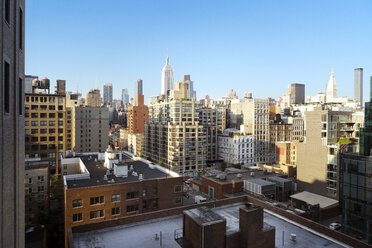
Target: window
(20,95)
(7,11)
(20,29)
(52,123)
(77,203)
(77,217)
(33,131)
(132,208)
(115,198)
(177,200)
(40,189)
(144,192)
(115,211)
(34,123)
(43,123)
(96,214)
(96,200)
(40,178)
(131,195)
(144,204)
(155,203)
(52,155)
(6,82)
(27,123)
(177,188)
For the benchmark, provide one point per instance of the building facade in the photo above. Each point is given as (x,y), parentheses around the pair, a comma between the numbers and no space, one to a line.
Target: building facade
(93,98)
(358,86)
(36,190)
(90,129)
(107,94)
(47,131)
(12,66)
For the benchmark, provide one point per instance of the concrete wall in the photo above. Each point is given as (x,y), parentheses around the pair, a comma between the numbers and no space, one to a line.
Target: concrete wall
(12,50)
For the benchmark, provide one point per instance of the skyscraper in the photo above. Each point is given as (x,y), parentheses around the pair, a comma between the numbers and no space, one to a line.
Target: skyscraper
(358,85)
(138,87)
(93,98)
(12,146)
(166,78)
(297,93)
(331,89)
(107,94)
(124,96)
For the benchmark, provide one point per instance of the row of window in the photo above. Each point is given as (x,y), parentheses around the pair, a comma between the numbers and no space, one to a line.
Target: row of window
(43,130)
(43,123)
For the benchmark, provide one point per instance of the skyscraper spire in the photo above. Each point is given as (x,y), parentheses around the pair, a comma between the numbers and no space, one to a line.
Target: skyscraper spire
(166,78)
(331,89)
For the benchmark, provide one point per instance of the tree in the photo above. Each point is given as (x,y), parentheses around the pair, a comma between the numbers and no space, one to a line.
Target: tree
(56,187)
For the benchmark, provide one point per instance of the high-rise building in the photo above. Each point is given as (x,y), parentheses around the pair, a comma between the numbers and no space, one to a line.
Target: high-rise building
(166,79)
(358,85)
(28,82)
(297,93)
(90,127)
(93,98)
(47,131)
(124,96)
(356,183)
(107,94)
(12,64)
(138,90)
(331,89)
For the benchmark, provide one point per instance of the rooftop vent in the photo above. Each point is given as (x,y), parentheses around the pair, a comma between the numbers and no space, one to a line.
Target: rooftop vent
(252,174)
(293,237)
(223,177)
(140,177)
(134,174)
(105,177)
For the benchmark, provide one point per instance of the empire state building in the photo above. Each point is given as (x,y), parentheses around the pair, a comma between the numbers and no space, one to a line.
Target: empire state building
(166,78)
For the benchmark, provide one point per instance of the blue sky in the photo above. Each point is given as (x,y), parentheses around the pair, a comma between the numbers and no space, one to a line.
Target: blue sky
(250,46)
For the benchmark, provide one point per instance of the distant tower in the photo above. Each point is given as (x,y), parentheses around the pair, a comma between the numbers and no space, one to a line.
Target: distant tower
(297,93)
(358,85)
(107,94)
(166,78)
(138,90)
(331,89)
(124,96)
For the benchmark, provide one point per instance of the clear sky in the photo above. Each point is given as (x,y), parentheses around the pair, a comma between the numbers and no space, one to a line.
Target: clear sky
(250,46)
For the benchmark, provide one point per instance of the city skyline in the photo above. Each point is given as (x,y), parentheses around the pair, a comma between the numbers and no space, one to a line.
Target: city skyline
(289,45)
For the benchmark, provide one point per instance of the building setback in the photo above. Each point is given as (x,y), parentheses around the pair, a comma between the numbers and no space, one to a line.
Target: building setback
(12,64)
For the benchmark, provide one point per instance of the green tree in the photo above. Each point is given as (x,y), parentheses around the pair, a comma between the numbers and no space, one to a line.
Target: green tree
(56,187)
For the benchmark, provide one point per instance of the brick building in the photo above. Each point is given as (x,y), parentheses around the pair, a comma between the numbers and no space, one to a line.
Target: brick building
(97,191)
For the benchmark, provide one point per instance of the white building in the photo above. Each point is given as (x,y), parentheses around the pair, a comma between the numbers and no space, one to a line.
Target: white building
(166,78)
(235,147)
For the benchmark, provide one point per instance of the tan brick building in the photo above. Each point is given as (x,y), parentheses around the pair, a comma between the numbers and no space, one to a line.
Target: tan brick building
(93,98)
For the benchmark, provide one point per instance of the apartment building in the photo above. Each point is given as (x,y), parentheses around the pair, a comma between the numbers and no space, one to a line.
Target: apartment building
(317,158)
(138,116)
(12,66)
(47,133)
(236,147)
(90,129)
(96,191)
(36,190)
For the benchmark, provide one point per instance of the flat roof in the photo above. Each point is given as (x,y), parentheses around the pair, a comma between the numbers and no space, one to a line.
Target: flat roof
(313,199)
(245,175)
(204,215)
(97,172)
(260,182)
(279,179)
(141,234)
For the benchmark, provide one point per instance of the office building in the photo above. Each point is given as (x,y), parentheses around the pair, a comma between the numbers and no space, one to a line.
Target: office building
(12,64)
(47,127)
(138,88)
(107,94)
(93,98)
(90,129)
(166,79)
(297,94)
(36,190)
(358,86)
(124,97)
(97,191)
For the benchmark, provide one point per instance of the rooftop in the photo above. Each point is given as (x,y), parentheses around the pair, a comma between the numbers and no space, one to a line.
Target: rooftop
(313,199)
(240,176)
(142,234)
(98,172)
(260,182)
